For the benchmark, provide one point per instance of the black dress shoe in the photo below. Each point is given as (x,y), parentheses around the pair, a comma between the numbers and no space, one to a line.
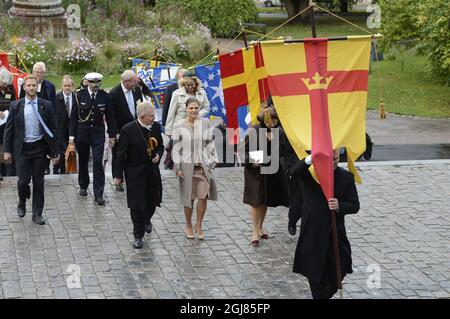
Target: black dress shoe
(82,192)
(148,227)
(138,243)
(100,201)
(21,210)
(38,220)
(292,229)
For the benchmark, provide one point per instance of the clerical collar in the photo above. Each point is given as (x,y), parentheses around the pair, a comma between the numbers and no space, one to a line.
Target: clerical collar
(148,127)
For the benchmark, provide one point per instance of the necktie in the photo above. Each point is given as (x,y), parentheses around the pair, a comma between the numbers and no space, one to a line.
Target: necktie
(92,98)
(130,102)
(68,106)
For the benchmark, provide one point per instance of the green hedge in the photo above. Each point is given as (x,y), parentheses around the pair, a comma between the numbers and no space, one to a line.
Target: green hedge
(223,17)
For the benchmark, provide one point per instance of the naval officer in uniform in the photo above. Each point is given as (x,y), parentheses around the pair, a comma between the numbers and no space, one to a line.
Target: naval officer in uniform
(87,130)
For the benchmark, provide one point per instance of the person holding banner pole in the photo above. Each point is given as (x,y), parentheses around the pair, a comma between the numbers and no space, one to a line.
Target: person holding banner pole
(314,255)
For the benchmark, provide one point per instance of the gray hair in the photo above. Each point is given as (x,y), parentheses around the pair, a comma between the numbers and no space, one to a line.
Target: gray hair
(39,65)
(180,73)
(6,77)
(127,75)
(67,78)
(144,108)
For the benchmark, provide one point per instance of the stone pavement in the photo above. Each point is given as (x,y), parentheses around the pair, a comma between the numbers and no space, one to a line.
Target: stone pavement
(400,243)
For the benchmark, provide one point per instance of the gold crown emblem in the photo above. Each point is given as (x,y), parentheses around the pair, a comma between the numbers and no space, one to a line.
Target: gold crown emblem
(317,84)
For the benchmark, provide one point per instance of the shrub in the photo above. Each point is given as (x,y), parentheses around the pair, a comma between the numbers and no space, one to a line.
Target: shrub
(79,57)
(32,50)
(223,17)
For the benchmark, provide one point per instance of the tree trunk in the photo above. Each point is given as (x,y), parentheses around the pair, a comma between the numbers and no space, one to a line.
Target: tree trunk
(344,5)
(293,7)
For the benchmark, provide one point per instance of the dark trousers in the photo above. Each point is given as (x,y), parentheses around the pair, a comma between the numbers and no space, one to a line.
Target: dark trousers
(31,164)
(139,218)
(98,170)
(113,161)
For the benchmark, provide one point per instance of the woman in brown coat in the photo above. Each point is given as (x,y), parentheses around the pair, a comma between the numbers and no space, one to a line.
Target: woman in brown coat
(263,190)
(194,155)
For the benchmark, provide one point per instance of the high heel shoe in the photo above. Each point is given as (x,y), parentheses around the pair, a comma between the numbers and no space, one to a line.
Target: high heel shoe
(198,231)
(264,236)
(189,235)
(255,243)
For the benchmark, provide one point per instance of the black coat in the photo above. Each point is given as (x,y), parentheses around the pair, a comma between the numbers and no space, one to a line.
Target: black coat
(315,239)
(167,97)
(15,128)
(119,102)
(288,159)
(63,119)
(270,190)
(48,92)
(142,176)
(87,119)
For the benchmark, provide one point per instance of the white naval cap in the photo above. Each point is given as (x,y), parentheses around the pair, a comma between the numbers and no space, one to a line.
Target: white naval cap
(94,77)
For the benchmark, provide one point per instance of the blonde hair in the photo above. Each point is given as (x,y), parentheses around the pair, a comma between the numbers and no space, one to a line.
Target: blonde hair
(184,80)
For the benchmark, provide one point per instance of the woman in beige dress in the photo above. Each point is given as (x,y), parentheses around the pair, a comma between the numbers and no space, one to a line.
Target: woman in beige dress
(194,155)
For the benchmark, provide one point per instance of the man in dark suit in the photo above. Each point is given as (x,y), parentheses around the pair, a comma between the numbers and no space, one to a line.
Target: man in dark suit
(30,135)
(314,255)
(45,90)
(87,129)
(139,152)
(65,102)
(124,98)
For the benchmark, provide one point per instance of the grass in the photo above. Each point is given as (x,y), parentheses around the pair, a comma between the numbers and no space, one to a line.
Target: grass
(410,91)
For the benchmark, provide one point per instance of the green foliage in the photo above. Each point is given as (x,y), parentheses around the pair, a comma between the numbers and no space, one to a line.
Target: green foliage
(32,50)
(398,24)
(123,12)
(425,24)
(433,21)
(9,29)
(223,17)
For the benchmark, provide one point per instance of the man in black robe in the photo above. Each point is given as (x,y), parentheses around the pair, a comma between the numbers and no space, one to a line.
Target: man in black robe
(314,255)
(139,152)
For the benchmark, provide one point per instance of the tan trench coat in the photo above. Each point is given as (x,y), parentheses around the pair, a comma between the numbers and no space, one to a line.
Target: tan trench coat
(177,107)
(189,148)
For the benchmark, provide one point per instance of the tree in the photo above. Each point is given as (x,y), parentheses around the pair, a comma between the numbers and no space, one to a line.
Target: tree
(293,7)
(424,25)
